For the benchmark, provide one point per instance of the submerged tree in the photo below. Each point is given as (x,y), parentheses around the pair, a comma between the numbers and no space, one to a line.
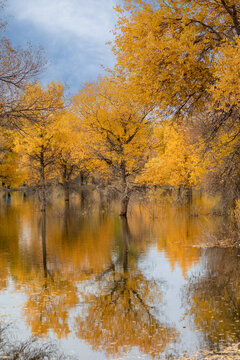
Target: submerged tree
(176,161)
(117,133)
(70,157)
(9,160)
(34,142)
(183,56)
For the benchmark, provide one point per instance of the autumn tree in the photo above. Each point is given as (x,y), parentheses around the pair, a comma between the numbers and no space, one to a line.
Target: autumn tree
(176,161)
(183,56)
(34,142)
(9,172)
(117,133)
(170,49)
(70,158)
(18,67)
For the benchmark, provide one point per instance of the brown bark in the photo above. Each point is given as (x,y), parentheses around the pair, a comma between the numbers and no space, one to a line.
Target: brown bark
(66,183)
(66,191)
(125,192)
(189,195)
(42,182)
(44,248)
(124,205)
(126,238)
(179,193)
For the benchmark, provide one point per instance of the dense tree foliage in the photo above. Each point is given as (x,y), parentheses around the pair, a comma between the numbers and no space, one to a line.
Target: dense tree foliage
(167,114)
(182,55)
(117,131)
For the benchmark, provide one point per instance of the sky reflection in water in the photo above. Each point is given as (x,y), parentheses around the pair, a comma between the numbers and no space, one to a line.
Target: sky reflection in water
(102,287)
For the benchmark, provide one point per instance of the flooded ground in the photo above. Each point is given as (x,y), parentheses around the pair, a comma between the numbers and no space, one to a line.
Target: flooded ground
(101,287)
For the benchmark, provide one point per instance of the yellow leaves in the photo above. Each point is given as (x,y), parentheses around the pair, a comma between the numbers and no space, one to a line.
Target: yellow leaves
(176,163)
(9,173)
(34,142)
(226,91)
(170,49)
(114,126)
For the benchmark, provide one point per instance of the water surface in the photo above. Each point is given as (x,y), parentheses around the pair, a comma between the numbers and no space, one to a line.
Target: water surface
(104,287)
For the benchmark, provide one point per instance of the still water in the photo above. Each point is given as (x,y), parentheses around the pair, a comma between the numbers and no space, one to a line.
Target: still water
(101,287)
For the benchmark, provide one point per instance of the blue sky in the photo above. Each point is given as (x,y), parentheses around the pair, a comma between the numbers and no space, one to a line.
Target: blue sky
(73,34)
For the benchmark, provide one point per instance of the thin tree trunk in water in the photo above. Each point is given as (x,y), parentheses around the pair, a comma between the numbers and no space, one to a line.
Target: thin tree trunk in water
(66,191)
(66,183)
(124,205)
(179,193)
(83,196)
(189,195)
(125,195)
(66,219)
(81,178)
(42,183)
(126,238)
(44,248)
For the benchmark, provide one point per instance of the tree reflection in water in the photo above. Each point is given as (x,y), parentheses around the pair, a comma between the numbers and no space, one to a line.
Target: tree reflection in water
(50,297)
(120,311)
(215,297)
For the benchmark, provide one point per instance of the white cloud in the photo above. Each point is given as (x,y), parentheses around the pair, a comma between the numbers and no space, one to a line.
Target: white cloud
(91,20)
(72,32)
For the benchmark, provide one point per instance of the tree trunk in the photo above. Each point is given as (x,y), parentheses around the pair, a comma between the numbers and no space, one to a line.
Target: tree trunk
(42,182)
(81,178)
(189,195)
(126,239)
(125,193)
(124,205)
(44,248)
(66,219)
(179,193)
(66,183)
(66,191)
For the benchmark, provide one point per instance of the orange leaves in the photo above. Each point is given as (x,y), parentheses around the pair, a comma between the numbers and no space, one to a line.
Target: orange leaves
(169,49)
(35,140)
(227,71)
(176,163)
(115,127)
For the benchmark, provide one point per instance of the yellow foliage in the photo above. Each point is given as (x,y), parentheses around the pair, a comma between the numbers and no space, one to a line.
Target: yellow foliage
(177,162)
(9,173)
(67,145)
(169,49)
(117,135)
(34,142)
